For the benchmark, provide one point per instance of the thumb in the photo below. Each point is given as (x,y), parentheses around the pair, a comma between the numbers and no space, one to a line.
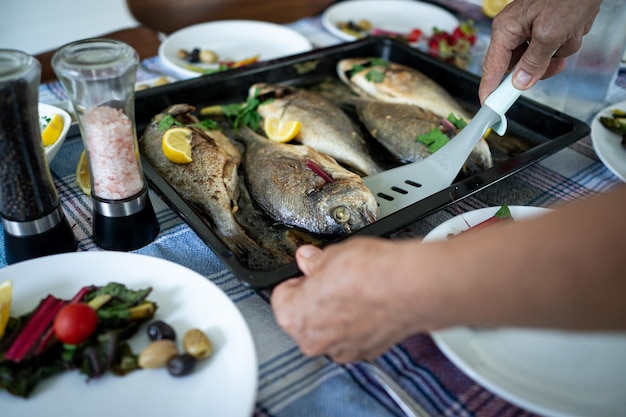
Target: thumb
(533,64)
(307,258)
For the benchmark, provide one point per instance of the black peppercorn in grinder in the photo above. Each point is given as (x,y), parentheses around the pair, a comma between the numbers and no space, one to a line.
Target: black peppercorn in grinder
(33,222)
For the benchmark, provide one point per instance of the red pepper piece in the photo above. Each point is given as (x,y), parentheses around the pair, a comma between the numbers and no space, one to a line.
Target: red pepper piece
(319,171)
(37,324)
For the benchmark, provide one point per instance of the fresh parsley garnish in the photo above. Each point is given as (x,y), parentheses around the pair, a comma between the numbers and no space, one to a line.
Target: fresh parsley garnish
(170,121)
(434,140)
(207,124)
(379,62)
(245,114)
(373,75)
(503,212)
(458,122)
(167,122)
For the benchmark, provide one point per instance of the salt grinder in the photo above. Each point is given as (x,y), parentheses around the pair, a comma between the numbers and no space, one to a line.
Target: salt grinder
(99,77)
(33,221)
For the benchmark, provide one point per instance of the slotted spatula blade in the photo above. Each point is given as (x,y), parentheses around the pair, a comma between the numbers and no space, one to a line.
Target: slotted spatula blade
(400,187)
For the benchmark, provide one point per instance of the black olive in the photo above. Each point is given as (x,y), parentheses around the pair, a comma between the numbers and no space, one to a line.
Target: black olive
(194,56)
(181,365)
(159,330)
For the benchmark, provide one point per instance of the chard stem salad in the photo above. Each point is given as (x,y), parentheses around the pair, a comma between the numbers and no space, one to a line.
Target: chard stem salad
(88,333)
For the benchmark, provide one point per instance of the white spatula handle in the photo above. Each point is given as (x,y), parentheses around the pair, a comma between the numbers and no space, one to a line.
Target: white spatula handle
(501,100)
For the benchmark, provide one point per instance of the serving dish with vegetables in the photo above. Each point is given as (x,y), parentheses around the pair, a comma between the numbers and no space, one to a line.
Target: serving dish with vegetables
(215,46)
(205,322)
(608,136)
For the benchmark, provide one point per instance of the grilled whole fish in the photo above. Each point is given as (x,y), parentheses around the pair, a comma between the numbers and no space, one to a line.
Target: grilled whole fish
(280,180)
(404,85)
(325,127)
(210,181)
(396,126)
(397,84)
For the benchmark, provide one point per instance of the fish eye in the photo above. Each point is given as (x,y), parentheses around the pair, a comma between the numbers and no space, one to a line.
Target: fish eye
(341,214)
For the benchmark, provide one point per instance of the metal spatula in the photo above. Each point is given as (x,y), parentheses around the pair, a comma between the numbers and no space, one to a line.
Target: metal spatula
(400,187)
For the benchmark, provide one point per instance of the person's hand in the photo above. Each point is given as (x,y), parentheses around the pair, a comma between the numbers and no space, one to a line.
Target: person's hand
(348,306)
(537,35)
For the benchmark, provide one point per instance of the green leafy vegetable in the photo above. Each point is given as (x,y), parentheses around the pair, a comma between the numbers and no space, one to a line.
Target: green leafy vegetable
(170,121)
(119,318)
(167,122)
(434,140)
(458,122)
(245,114)
(207,124)
(503,213)
(375,76)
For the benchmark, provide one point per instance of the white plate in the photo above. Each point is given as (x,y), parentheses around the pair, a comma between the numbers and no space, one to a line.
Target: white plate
(399,16)
(223,385)
(608,145)
(463,222)
(232,40)
(47,111)
(547,372)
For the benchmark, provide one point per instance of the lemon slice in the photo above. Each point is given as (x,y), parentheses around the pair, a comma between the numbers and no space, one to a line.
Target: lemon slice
(82,173)
(492,7)
(52,131)
(176,145)
(6,294)
(281,130)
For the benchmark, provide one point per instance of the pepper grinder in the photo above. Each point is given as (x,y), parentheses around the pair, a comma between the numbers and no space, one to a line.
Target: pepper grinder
(34,223)
(99,77)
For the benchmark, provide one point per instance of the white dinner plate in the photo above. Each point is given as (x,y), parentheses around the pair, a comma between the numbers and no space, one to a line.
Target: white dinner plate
(225,384)
(399,16)
(552,373)
(608,145)
(231,40)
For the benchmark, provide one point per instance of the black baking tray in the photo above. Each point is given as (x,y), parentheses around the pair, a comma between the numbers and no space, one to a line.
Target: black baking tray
(543,129)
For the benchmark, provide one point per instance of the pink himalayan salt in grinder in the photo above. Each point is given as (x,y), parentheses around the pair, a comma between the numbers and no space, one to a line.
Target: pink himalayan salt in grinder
(99,77)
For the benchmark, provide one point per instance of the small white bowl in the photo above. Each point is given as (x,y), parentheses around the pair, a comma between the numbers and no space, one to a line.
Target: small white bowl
(47,111)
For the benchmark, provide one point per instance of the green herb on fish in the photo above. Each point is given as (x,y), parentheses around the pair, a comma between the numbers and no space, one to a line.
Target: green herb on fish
(434,140)
(375,76)
(207,124)
(168,122)
(372,75)
(245,114)
(458,122)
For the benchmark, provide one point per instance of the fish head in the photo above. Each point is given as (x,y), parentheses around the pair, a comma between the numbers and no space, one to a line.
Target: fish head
(346,207)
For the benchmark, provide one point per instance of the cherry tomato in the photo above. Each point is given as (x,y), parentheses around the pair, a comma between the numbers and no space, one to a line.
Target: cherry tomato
(75,322)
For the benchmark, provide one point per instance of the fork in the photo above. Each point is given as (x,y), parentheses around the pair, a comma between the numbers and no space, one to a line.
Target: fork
(406,403)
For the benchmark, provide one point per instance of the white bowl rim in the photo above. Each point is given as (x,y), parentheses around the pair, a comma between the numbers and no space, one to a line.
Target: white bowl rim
(48,109)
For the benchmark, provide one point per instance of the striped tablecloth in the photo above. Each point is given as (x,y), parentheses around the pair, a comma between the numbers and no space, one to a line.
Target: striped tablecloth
(291,384)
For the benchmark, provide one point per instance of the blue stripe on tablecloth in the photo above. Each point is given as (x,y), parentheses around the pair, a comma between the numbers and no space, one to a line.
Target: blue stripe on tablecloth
(421,383)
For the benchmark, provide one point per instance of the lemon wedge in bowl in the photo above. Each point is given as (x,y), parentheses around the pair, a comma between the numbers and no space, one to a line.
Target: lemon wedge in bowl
(6,294)
(55,123)
(176,145)
(281,130)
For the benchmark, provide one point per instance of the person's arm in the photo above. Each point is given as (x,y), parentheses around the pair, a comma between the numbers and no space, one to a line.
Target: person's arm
(564,270)
(537,35)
